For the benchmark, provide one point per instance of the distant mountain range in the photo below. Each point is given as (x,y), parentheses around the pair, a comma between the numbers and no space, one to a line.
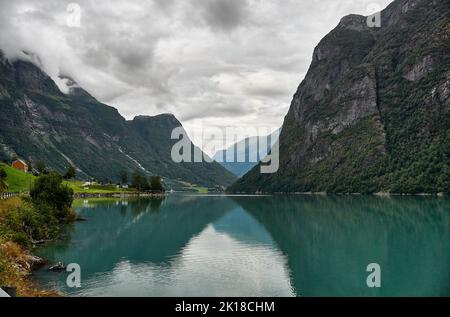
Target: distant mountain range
(245,151)
(373,112)
(40,123)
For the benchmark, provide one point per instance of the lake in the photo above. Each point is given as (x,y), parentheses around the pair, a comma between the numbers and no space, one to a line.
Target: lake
(192,245)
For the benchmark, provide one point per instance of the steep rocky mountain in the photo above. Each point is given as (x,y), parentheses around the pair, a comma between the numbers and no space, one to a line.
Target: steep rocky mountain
(373,112)
(239,158)
(39,122)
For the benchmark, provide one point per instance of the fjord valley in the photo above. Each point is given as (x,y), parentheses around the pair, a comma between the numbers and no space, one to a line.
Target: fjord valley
(243,156)
(363,178)
(373,112)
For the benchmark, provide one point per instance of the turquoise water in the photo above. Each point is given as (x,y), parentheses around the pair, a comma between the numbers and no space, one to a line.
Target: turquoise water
(256,246)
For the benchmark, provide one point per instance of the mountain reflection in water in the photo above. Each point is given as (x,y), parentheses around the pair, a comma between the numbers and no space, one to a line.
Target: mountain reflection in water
(189,245)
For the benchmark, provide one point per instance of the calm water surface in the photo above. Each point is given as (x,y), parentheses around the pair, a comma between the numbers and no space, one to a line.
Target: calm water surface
(256,246)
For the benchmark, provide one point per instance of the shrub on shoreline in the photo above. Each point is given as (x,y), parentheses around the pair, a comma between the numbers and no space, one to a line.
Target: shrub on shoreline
(27,221)
(52,197)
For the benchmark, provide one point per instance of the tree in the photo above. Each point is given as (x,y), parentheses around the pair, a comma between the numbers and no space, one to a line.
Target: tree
(41,167)
(139,182)
(71,173)
(123,177)
(49,191)
(3,174)
(3,183)
(156,184)
(30,166)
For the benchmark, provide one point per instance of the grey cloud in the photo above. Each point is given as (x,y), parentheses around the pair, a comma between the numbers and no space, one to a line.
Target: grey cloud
(267,91)
(224,14)
(165,6)
(231,109)
(224,62)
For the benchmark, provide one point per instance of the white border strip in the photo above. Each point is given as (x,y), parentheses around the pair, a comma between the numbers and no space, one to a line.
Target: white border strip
(3,293)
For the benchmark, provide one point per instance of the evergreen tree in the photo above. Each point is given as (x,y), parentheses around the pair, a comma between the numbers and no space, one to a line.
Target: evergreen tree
(123,177)
(3,184)
(71,173)
(156,184)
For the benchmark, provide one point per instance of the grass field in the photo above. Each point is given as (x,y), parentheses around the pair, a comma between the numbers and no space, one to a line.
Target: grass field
(17,181)
(200,190)
(93,189)
(21,182)
(188,187)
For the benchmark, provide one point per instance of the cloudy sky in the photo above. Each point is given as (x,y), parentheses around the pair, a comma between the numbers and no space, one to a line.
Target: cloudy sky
(212,63)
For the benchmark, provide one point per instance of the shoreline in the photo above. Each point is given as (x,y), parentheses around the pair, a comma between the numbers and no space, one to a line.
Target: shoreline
(18,261)
(117,195)
(22,263)
(324,194)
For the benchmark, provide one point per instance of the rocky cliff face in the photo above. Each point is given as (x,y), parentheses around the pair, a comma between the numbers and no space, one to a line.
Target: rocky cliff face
(372,113)
(39,122)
